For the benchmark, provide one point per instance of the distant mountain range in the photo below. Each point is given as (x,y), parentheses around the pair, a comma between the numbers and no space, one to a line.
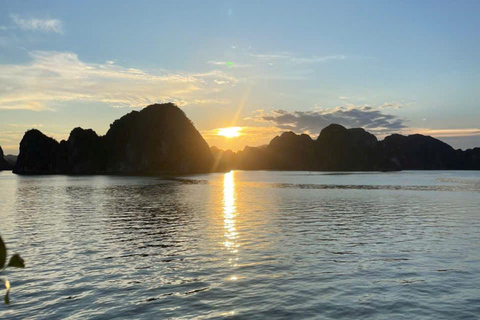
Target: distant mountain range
(11,159)
(160,139)
(341,149)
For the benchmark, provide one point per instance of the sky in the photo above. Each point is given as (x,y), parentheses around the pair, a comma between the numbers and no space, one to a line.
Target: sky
(264,66)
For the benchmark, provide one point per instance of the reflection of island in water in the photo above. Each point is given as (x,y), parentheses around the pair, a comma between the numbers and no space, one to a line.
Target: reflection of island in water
(229,218)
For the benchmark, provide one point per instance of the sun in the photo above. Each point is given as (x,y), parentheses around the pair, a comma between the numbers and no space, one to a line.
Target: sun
(230,132)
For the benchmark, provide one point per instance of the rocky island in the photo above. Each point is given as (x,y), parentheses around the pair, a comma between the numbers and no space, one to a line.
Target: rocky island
(4,164)
(340,149)
(160,139)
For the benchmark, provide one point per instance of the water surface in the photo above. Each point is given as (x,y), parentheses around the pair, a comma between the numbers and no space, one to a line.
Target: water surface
(244,245)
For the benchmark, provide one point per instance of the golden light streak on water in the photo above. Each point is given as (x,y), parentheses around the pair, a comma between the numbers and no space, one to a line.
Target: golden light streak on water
(229,217)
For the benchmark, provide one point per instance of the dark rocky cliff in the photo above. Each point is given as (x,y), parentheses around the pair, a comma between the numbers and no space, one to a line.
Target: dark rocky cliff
(419,152)
(39,154)
(156,140)
(290,151)
(340,149)
(469,159)
(160,138)
(4,164)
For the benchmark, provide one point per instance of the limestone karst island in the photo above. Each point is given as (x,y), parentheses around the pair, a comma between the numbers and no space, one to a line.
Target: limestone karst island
(160,139)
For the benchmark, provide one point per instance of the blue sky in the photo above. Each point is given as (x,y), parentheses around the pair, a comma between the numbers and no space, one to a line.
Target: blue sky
(265,66)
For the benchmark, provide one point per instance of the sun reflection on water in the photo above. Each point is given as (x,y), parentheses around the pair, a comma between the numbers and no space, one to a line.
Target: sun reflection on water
(229,217)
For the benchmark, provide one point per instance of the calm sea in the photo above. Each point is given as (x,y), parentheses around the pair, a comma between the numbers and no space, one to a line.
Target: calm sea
(244,245)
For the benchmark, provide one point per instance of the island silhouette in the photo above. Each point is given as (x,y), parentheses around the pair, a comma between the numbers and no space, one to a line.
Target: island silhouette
(160,139)
(4,163)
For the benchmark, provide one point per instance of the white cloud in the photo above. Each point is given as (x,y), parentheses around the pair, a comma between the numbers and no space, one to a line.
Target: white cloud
(62,76)
(318,59)
(393,105)
(25,125)
(35,24)
(23,105)
(270,56)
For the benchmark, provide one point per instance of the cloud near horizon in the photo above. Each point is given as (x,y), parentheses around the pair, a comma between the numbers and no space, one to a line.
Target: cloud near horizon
(53,77)
(446,133)
(312,122)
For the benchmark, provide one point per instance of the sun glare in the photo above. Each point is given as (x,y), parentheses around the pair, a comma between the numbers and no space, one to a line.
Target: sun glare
(230,132)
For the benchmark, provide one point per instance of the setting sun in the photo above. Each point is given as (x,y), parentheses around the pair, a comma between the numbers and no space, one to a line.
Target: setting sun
(230,132)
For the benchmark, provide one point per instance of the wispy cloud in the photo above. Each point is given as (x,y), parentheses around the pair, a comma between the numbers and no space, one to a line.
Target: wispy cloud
(35,24)
(22,104)
(296,59)
(393,105)
(318,59)
(62,76)
(467,132)
(25,125)
(464,138)
(272,56)
(229,64)
(372,119)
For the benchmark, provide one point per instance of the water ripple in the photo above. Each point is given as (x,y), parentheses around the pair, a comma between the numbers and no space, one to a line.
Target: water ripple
(244,245)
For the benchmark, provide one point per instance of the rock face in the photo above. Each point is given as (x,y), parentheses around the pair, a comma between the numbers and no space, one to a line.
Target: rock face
(159,139)
(39,154)
(418,152)
(469,159)
(290,151)
(83,152)
(4,164)
(340,149)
